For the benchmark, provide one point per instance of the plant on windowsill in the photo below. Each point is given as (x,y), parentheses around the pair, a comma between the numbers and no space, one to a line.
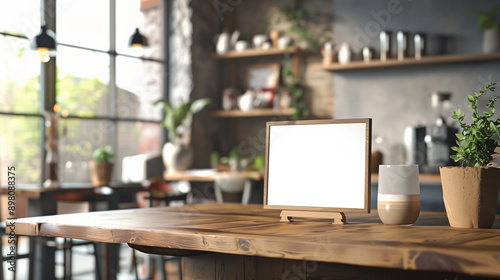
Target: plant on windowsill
(490,26)
(101,166)
(470,191)
(177,153)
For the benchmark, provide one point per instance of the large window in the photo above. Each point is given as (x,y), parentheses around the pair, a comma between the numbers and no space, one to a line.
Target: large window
(20,124)
(107,93)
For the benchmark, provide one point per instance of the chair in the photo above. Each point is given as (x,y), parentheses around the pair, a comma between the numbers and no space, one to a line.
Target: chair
(80,203)
(232,187)
(4,258)
(160,192)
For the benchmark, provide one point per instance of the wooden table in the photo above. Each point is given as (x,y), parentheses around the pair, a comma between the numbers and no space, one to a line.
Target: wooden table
(40,203)
(206,175)
(36,191)
(232,241)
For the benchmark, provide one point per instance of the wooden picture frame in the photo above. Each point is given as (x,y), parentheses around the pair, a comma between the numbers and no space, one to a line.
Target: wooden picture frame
(262,76)
(318,165)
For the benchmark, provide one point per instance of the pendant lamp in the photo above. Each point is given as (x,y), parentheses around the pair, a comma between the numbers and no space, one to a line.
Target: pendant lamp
(137,42)
(45,44)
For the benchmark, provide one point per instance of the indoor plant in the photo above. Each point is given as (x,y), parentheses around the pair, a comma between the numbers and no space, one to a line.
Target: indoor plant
(491,35)
(291,86)
(470,191)
(101,166)
(299,24)
(177,153)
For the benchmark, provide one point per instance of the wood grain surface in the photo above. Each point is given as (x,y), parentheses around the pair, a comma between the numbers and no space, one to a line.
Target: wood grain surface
(181,175)
(35,191)
(426,60)
(429,245)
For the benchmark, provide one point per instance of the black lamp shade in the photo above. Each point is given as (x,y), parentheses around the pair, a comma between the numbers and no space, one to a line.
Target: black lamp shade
(45,39)
(137,39)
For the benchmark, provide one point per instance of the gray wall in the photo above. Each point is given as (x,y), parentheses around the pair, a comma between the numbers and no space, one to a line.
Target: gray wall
(399,97)
(393,98)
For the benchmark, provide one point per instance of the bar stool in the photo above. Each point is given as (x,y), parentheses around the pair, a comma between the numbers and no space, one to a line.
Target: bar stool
(5,231)
(80,203)
(161,192)
(232,187)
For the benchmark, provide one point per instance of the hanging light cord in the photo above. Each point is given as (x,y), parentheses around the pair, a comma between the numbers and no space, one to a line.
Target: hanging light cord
(88,49)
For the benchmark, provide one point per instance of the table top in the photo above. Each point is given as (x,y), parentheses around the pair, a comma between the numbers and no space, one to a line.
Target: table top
(251,230)
(34,191)
(209,175)
(206,175)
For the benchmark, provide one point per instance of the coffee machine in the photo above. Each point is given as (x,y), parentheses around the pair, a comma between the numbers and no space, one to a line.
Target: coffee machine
(430,146)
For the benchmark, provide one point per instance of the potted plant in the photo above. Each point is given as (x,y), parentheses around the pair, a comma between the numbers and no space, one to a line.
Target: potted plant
(101,166)
(234,159)
(470,191)
(491,35)
(177,153)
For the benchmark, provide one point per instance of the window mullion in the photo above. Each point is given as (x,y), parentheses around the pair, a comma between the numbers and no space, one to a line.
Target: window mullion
(47,79)
(112,76)
(167,11)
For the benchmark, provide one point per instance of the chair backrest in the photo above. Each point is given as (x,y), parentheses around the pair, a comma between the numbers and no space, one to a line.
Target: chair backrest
(68,203)
(167,194)
(232,183)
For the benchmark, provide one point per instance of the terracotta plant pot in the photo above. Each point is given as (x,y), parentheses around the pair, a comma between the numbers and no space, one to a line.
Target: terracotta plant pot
(470,195)
(100,173)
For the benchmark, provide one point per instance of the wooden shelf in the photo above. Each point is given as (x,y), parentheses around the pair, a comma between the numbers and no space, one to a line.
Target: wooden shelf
(262,112)
(426,60)
(194,176)
(423,178)
(257,53)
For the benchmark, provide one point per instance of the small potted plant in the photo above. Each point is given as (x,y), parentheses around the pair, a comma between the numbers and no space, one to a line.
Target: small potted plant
(177,153)
(101,166)
(234,159)
(470,191)
(491,35)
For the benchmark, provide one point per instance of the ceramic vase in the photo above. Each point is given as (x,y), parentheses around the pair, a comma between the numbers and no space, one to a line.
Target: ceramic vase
(176,157)
(491,40)
(100,173)
(470,195)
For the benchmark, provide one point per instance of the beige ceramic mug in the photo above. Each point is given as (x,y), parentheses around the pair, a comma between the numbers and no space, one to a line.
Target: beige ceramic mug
(398,200)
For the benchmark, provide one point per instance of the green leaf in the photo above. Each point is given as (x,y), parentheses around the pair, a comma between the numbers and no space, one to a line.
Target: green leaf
(103,154)
(475,145)
(199,104)
(174,118)
(470,98)
(493,126)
